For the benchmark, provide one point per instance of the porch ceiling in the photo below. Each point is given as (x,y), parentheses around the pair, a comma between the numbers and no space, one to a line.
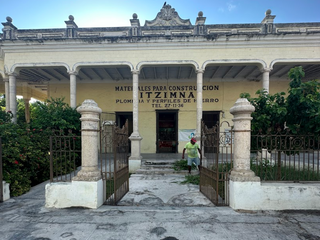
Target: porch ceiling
(38,77)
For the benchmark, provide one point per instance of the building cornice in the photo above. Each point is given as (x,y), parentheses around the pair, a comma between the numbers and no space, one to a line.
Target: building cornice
(234,41)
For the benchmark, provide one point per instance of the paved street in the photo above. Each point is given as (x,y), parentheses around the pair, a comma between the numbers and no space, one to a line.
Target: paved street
(157,207)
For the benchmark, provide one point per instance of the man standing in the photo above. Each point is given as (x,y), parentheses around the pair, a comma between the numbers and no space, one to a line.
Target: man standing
(192,151)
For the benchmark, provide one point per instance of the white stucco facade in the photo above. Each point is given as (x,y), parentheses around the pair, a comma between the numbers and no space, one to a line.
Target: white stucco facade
(274,196)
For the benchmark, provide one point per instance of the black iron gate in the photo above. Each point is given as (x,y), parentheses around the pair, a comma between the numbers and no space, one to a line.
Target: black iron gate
(216,163)
(1,176)
(114,159)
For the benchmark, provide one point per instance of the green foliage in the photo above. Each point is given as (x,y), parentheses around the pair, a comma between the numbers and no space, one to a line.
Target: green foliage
(270,111)
(54,114)
(25,147)
(299,111)
(193,179)
(303,104)
(21,111)
(182,165)
(3,101)
(272,172)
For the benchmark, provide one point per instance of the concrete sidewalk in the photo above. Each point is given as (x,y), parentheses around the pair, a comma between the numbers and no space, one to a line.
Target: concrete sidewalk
(157,207)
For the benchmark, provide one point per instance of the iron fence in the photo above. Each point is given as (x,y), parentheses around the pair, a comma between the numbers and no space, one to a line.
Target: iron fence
(1,173)
(65,156)
(283,156)
(215,169)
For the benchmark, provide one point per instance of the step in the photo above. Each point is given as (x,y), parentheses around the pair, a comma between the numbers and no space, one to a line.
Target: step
(160,171)
(157,166)
(159,162)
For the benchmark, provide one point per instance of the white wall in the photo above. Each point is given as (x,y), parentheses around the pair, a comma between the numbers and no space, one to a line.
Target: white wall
(74,194)
(274,196)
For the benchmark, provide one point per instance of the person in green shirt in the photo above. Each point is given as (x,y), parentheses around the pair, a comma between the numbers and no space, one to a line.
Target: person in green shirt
(192,150)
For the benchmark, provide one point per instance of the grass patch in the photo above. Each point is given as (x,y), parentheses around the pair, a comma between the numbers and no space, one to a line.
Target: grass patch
(193,179)
(271,172)
(182,165)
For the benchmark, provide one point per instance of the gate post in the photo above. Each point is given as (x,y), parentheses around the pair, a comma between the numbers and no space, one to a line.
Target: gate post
(242,178)
(85,189)
(89,111)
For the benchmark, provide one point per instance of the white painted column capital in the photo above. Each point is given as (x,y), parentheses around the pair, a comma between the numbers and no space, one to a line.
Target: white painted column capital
(89,111)
(199,101)
(200,70)
(135,72)
(265,78)
(7,93)
(73,88)
(73,72)
(241,171)
(12,95)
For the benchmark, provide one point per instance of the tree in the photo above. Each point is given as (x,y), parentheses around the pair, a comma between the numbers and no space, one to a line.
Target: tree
(303,103)
(299,111)
(270,111)
(54,114)
(25,146)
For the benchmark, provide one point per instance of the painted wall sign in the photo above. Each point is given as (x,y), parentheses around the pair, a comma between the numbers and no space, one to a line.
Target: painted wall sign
(163,96)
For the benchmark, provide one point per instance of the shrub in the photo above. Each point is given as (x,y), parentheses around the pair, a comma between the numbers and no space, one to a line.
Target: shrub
(25,147)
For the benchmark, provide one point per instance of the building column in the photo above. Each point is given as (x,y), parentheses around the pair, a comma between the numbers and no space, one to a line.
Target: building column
(12,95)
(265,78)
(73,89)
(135,158)
(7,94)
(199,101)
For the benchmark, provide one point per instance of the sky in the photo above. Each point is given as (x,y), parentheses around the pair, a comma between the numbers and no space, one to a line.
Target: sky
(39,14)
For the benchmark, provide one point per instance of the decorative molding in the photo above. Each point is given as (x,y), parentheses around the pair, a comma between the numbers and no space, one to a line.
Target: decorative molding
(167,17)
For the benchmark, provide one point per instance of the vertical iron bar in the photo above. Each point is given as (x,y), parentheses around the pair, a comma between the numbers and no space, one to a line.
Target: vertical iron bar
(1,174)
(114,137)
(51,160)
(216,142)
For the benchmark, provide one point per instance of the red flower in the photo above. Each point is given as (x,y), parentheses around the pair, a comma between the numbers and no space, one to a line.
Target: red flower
(16,162)
(34,129)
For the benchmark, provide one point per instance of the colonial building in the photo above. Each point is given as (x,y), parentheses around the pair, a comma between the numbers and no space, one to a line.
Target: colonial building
(164,75)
